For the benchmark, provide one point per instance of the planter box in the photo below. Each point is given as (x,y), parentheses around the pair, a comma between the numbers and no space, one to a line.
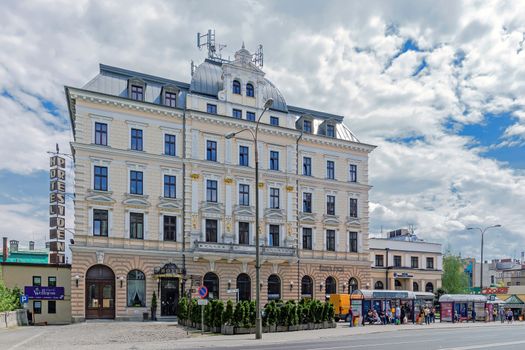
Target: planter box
(242,330)
(303,327)
(215,329)
(282,328)
(293,328)
(227,330)
(325,324)
(311,325)
(272,328)
(318,326)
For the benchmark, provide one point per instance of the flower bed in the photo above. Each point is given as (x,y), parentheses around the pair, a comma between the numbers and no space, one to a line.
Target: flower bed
(240,318)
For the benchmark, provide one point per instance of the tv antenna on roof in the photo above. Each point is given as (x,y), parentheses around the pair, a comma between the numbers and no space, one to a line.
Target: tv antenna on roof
(258,57)
(208,40)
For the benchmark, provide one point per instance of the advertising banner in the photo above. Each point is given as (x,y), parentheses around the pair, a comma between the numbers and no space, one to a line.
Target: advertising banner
(446,312)
(44,293)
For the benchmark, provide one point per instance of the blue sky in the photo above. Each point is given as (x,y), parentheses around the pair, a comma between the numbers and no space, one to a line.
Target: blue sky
(439,90)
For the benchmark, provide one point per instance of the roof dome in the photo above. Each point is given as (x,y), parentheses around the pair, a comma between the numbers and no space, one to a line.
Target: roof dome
(207,78)
(270,91)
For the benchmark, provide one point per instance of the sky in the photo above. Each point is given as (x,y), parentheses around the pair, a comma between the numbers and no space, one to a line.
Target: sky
(438,87)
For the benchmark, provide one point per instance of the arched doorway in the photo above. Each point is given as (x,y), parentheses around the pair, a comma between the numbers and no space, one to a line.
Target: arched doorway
(211,281)
(330,286)
(415,287)
(429,288)
(379,285)
(244,284)
(398,285)
(352,285)
(274,287)
(100,292)
(307,287)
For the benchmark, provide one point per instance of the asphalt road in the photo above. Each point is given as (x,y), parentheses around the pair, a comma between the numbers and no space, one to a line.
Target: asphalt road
(497,337)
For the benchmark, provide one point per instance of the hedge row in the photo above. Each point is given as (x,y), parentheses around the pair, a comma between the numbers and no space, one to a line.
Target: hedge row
(279,313)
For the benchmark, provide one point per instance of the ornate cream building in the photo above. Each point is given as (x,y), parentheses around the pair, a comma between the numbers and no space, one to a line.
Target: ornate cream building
(164,202)
(401,261)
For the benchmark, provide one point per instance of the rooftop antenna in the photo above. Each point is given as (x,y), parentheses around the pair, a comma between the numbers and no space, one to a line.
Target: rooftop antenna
(192,67)
(258,56)
(208,40)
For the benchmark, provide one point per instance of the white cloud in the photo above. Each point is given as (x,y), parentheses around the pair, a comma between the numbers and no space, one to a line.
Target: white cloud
(333,56)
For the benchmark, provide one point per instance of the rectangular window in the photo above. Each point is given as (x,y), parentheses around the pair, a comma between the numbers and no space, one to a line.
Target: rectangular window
(274,236)
(170,228)
(211,191)
(250,116)
(52,281)
(100,222)
(397,260)
(353,242)
(170,186)
(37,307)
(274,198)
(307,166)
(170,99)
(414,262)
(244,194)
(307,126)
(51,307)
(330,240)
(136,140)
(274,121)
(101,134)
(274,160)
(307,238)
(330,205)
(169,145)
(137,93)
(211,230)
(353,207)
(307,202)
(244,233)
(353,173)
(136,225)
(136,182)
(430,263)
(211,150)
(211,108)
(380,261)
(37,281)
(244,159)
(100,178)
(330,130)
(237,113)
(330,169)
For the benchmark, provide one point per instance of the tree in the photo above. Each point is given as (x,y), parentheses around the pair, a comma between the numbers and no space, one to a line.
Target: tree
(9,298)
(455,280)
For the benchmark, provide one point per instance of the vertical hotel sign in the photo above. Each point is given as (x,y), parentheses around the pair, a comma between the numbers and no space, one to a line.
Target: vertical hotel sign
(57,209)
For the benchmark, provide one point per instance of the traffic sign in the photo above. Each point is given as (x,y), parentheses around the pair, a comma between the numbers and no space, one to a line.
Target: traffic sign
(202,302)
(203,292)
(232,290)
(24,299)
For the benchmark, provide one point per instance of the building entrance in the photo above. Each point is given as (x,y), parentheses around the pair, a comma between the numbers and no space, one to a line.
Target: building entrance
(169,296)
(100,293)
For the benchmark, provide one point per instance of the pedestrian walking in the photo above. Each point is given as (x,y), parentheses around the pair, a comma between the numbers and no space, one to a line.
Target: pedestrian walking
(426,312)
(398,314)
(433,315)
(473,315)
(502,315)
(509,316)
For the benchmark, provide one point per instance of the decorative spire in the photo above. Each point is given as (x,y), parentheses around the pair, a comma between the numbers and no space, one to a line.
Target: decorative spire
(243,44)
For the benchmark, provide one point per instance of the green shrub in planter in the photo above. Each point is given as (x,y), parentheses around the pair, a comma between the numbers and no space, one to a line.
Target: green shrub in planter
(331,312)
(227,316)
(183,309)
(249,314)
(272,313)
(324,314)
(238,315)
(217,311)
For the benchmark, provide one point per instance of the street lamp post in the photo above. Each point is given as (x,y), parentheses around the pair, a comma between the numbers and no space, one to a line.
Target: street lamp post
(482,230)
(258,321)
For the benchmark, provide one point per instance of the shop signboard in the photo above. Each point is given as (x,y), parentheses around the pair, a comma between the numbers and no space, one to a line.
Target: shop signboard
(57,209)
(44,293)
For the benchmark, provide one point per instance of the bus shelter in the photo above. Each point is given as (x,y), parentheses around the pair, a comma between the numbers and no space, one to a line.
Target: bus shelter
(459,307)
(424,299)
(363,300)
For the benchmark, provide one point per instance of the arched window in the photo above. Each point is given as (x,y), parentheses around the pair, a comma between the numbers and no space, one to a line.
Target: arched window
(352,285)
(211,281)
(331,286)
(398,285)
(249,90)
(244,284)
(378,285)
(236,87)
(136,288)
(274,287)
(429,287)
(307,285)
(415,286)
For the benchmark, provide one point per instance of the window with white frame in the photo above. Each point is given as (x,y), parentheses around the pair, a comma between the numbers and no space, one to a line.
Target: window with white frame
(330,240)
(136,225)
(211,191)
(211,230)
(352,243)
(273,237)
(274,198)
(353,173)
(330,169)
(244,232)
(136,182)
(274,160)
(244,194)
(101,134)
(170,228)
(307,238)
(100,222)
(307,202)
(244,156)
(353,207)
(170,186)
(330,205)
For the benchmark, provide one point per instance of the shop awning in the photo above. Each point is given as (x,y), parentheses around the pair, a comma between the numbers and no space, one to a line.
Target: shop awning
(514,302)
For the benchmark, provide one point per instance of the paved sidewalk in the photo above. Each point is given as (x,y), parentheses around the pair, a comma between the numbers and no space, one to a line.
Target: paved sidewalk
(342,330)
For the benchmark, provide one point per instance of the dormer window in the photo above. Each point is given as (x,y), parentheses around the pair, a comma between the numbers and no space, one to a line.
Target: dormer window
(249,90)
(169,95)
(307,126)
(236,87)
(330,130)
(136,89)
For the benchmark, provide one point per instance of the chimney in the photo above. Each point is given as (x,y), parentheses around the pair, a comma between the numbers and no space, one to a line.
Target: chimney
(4,249)
(31,245)
(13,246)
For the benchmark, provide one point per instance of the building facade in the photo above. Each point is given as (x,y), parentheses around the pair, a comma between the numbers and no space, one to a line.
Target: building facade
(401,261)
(164,202)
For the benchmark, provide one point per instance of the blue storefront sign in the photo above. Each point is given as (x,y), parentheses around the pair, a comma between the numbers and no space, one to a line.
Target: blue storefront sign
(44,293)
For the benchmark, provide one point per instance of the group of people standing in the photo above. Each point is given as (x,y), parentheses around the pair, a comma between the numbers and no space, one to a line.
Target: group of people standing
(427,314)
(505,315)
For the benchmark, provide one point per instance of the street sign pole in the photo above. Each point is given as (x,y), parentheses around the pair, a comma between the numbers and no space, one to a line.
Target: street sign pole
(202,319)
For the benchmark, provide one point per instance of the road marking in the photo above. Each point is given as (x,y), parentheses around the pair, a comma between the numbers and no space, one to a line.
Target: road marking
(486,345)
(25,341)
